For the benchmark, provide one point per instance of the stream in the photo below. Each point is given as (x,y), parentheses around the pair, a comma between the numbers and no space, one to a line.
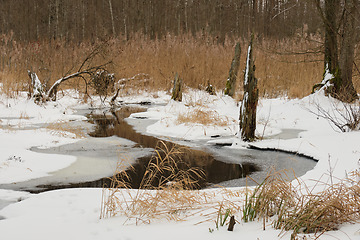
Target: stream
(115,138)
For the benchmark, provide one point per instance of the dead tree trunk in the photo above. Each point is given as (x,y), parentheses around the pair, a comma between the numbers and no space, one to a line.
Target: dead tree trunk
(234,69)
(250,100)
(36,89)
(177,89)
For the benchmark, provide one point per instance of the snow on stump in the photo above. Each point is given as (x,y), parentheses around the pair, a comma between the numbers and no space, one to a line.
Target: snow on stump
(234,69)
(210,89)
(36,90)
(250,100)
(177,89)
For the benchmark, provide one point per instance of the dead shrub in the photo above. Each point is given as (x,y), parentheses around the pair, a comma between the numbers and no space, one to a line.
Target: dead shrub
(103,83)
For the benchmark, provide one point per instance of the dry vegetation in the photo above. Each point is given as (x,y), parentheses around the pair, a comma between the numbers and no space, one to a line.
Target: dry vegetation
(283,204)
(280,66)
(171,196)
(63,128)
(164,174)
(302,210)
(204,117)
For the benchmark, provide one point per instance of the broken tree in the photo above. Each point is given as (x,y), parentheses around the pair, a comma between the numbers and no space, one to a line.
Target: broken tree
(98,75)
(250,99)
(234,69)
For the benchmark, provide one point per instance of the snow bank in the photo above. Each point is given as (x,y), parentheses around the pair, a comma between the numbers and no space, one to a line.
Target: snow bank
(74,213)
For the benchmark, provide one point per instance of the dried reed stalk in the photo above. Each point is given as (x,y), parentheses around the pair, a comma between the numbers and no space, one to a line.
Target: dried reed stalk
(280,70)
(172,197)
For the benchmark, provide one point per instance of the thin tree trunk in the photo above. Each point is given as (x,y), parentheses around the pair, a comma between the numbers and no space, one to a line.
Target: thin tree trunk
(112,18)
(83,20)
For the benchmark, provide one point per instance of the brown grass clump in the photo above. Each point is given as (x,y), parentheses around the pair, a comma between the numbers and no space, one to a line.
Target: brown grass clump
(289,209)
(171,198)
(204,117)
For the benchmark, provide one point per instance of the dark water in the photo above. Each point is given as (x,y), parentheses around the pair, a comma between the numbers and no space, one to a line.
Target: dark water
(208,169)
(216,164)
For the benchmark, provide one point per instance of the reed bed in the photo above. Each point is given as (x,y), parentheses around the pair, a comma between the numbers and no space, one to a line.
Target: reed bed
(167,192)
(281,65)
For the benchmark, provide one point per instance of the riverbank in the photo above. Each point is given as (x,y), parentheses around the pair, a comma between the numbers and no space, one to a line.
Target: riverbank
(74,213)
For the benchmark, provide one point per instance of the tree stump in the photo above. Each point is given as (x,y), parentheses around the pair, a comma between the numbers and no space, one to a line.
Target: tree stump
(250,100)
(234,69)
(177,89)
(231,224)
(210,89)
(36,90)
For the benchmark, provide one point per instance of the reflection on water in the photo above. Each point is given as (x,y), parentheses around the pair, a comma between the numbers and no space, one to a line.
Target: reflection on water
(215,171)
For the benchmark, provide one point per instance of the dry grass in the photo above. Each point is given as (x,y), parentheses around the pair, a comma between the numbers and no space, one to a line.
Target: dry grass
(63,128)
(290,210)
(198,60)
(172,198)
(204,117)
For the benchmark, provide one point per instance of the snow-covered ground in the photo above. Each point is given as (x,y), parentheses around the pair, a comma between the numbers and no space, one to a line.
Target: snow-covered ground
(74,213)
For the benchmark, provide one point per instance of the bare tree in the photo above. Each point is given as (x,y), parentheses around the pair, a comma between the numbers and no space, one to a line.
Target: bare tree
(339,45)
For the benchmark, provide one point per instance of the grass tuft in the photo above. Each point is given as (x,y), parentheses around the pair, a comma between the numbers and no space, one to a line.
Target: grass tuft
(202,116)
(172,197)
(290,210)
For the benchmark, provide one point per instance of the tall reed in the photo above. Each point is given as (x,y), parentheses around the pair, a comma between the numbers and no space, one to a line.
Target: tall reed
(281,66)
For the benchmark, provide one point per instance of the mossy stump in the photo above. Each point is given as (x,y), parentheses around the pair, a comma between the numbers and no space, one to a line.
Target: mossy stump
(234,69)
(177,89)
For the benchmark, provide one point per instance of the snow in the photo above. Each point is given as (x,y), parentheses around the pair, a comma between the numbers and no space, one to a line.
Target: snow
(246,76)
(327,77)
(37,84)
(74,213)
